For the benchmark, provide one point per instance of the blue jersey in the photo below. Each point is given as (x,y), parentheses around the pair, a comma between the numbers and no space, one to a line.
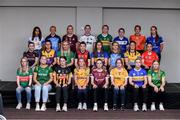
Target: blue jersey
(138,76)
(156,44)
(123,43)
(99,55)
(55,40)
(113,57)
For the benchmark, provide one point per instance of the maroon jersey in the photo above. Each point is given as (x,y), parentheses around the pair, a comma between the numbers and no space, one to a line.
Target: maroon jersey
(72,41)
(84,55)
(99,77)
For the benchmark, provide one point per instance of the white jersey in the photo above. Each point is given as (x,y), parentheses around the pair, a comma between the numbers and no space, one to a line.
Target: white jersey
(89,40)
(37,42)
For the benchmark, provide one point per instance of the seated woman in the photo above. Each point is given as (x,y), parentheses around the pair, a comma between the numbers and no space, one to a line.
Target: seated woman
(81,76)
(62,79)
(131,55)
(138,80)
(42,78)
(99,54)
(24,81)
(99,81)
(156,78)
(119,77)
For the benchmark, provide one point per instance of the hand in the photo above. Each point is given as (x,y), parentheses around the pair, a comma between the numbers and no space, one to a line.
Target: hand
(161,89)
(116,87)
(144,86)
(105,86)
(94,86)
(57,85)
(136,86)
(19,87)
(129,67)
(84,87)
(65,85)
(156,89)
(45,84)
(38,84)
(122,87)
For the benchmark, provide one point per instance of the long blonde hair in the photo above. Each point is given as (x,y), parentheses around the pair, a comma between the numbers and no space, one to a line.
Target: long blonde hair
(159,70)
(62,51)
(27,65)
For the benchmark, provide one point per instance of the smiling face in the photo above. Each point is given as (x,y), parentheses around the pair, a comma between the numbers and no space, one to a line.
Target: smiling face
(81,62)
(69,30)
(149,47)
(153,30)
(99,64)
(99,46)
(62,62)
(53,30)
(115,46)
(24,62)
(121,33)
(87,30)
(105,30)
(119,63)
(138,63)
(37,32)
(137,30)
(48,45)
(43,60)
(82,47)
(31,47)
(132,46)
(156,65)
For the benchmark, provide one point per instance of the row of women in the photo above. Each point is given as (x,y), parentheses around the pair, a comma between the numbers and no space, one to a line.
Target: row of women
(100,63)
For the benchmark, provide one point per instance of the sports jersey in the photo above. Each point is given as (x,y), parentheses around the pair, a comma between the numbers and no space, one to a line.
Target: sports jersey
(24,77)
(132,56)
(149,58)
(82,75)
(31,56)
(62,75)
(123,42)
(89,40)
(99,55)
(140,41)
(37,42)
(55,40)
(156,44)
(68,56)
(119,76)
(105,40)
(156,77)
(72,41)
(113,57)
(49,55)
(138,76)
(43,74)
(99,77)
(84,55)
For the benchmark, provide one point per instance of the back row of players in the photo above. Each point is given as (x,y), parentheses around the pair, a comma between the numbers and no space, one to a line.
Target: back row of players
(60,61)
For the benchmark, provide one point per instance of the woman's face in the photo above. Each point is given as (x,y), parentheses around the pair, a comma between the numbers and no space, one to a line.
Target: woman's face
(31,47)
(138,63)
(43,60)
(37,32)
(82,47)
(119,64)
(87,30)
(137,30)
(65,46)
(115,46)
(62,61)
(105,30)
(53,30)
(24,62)
(48,45)
(81,62)
(149,47)
(121,33)
(99,46)
(132,46)
(156,65)
(70,30)
(99,64)
(153,31)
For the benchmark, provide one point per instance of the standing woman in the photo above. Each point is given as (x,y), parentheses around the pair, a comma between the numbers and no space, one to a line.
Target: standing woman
(81,76)
(99,53)
(42,78)
(24,81)
(115,54)
(139,39)
(119,77)
(131,55)
(65,51)
(156,40)
(105,38)
(138,80)
(156,79)
(99,81)
(37,38)
(62,79)
(71,38)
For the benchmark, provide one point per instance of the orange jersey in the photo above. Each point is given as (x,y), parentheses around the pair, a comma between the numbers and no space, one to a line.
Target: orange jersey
(140,41)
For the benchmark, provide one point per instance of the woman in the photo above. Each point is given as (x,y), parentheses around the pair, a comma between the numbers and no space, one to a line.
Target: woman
(122,40)
(119,77)
(71,38)
(105,38)
(131,55)
(138,81)
(156,40)
(99,54)
(65,51)
(24,81)
(37,38)
(99,81)
(81,76)
(62,79)
(115,54)
(49,53)
(42,78)
(148,57)
(156,78)
(139,39)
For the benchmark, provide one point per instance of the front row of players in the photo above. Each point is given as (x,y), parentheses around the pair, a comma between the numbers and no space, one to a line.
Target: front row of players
(98,77)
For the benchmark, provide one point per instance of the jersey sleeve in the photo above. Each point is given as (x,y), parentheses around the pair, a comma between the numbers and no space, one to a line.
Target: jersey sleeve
(17,72)
(163,74)
(149,72)
(50,70)
(30,71)
(36,69)
(106,55)
(131,73)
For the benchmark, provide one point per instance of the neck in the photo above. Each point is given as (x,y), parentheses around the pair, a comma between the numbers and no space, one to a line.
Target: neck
(63,66)
(43,65)
(53,34)
(137,68)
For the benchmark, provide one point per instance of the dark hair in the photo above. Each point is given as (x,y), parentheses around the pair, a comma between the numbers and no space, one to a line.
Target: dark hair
(48,41)
(30,43)
(70,26)
(121,29)
(157,35)
(105,26)
(137,26)
(62,57)
(149,44)
(53,27)
(95,50)
(130,44)
(120,60)
(33,33)
(82,43)
(87,26)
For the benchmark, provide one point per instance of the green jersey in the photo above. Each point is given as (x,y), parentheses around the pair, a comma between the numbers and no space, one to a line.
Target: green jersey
(105,40)
(43,74)
(156,77)
(24,77)
(68,56)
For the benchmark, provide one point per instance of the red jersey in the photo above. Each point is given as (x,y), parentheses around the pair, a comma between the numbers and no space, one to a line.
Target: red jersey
(84,55)
(149,58)
(99,77)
